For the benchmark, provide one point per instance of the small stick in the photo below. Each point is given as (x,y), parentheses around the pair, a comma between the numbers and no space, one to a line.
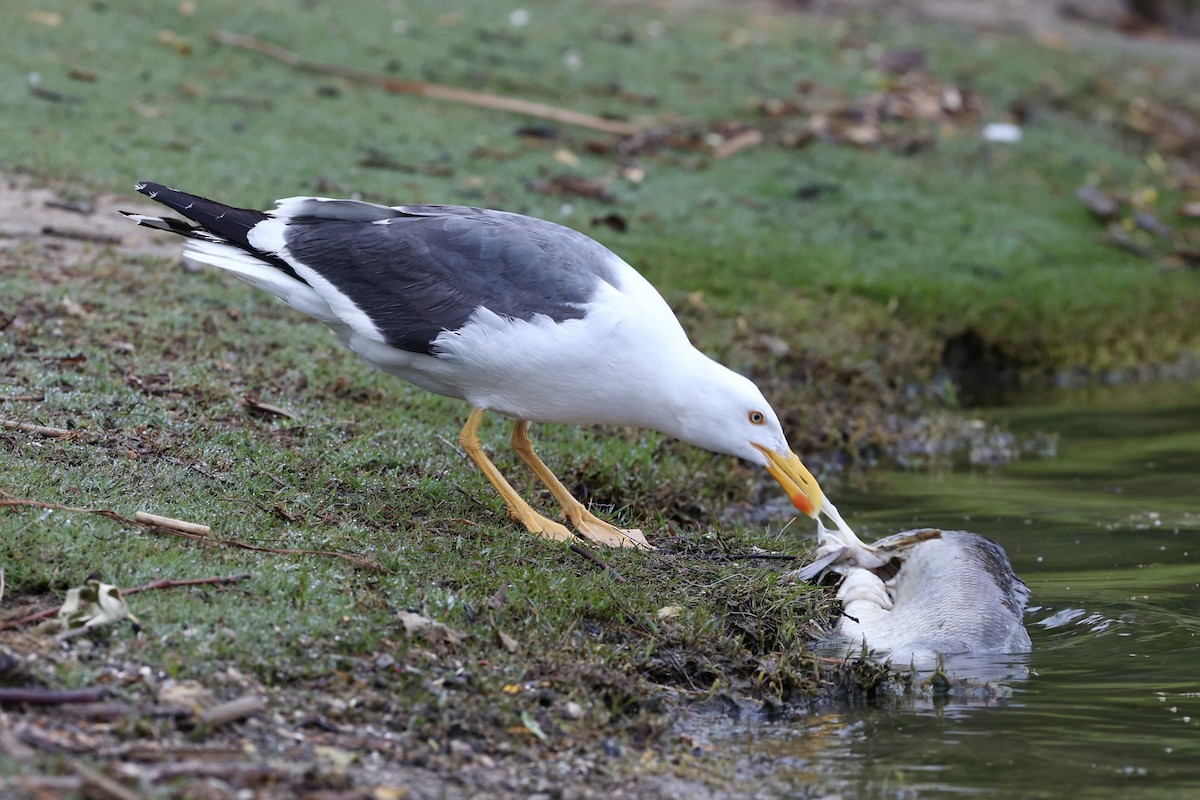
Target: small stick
(113,711)
(49,697)
(358,561)
(174,524)
(13,747)
(254,774)
(29,619)
(745,556)
(426,89)
(101,785)
(738,143)
(595,560)
(29,427)
(232,711)
(165,583)
(77,208)
(81,236)
(23,398)
(49,785)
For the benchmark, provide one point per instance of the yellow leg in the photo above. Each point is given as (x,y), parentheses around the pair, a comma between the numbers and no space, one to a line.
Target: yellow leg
(588,525)
(518,509)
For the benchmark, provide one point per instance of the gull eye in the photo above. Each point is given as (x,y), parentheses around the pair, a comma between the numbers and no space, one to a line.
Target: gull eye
(757,417)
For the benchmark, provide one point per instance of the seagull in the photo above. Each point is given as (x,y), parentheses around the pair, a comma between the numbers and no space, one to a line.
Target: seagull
(512,314)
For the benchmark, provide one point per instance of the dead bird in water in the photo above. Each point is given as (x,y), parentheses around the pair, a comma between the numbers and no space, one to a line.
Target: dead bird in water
(924,593)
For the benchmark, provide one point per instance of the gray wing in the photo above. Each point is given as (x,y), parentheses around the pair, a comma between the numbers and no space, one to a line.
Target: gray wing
(421,270)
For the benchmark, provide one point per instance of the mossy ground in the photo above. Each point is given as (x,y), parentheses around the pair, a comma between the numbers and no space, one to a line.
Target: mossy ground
(834,274)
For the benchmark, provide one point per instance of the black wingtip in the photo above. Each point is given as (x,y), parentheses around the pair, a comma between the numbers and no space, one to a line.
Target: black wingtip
(148,188)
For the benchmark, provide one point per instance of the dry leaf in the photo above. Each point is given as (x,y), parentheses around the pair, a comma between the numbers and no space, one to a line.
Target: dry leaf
(256,406)
(507,642)
(498,599)
(433,633)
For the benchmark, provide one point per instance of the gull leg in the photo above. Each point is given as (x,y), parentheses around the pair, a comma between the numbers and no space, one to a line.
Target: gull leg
(588,525)
(518,509)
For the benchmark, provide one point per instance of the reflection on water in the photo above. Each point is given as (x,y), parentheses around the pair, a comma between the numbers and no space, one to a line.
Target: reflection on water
(1107,535)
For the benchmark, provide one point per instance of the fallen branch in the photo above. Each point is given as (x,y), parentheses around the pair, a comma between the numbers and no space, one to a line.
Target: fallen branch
(738,143)
(173,524)
(590,556)
(164,583)
(97,784)
(112,711)
(225,713)
(242,772)
(87,209)
(29,619)
(12,746)
(745,556)
(362,562)
(167,583)
(29,427)
(81,236)
(426,89)
(8,500)
(49,697)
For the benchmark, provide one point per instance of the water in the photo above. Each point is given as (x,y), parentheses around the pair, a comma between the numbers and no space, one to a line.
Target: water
(1107,535)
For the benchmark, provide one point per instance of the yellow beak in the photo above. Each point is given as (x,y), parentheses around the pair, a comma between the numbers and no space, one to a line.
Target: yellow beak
(796,480)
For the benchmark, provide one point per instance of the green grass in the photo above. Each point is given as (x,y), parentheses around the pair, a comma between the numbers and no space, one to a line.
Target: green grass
(368,468)
(862,285)
(960,235)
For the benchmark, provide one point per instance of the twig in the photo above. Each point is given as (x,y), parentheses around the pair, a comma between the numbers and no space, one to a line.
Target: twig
(12,746)
(745,556)
(8,500)
(81,236)
(738,143)
(53,96)
(173,524)
(86,209)
(177,462)
(166,583)
(113,711)
(590,556)
(23,398)
(29,427)
(101,785)
(38,616)
(242,772)
(49,785)
(426,89)
(29,619)
(232,711)
(472,498)
(49,697)
(362,562)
